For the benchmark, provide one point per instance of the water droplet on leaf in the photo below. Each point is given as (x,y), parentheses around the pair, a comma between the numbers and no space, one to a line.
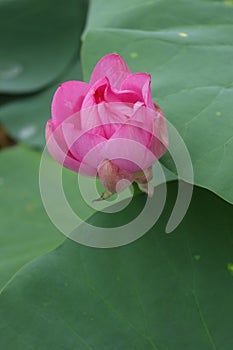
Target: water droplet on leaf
(133,54)
(183,35)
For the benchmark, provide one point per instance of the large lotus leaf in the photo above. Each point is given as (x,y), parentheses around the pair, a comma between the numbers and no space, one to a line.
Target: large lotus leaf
(160,292)
(26,231)
(187,47)
(158,14)
(38,41)
(26,117)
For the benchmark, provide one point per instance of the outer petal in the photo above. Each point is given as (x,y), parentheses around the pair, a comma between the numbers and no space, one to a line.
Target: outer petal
(140,83)
(136,154)
(105,118)
(155,124)
(61,153)
(140,142)
(139,130)
(159,141)
(134,130)
(68,100)
(128,154)
(58,148)
(85,146)
(113,67)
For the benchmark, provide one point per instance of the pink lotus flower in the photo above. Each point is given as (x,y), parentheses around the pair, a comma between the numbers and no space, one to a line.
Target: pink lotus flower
(110,128)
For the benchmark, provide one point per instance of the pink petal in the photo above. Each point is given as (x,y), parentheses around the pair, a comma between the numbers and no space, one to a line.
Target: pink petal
(133,131)
(140,142)
(105,118)
(60,151)
(159,141)
(96,93)
(155,124)
(128,154)
(140,83)
(101,91)
(68,100)
(113,67)
(139,129)
(136,154)
(58,148)
(84,146)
